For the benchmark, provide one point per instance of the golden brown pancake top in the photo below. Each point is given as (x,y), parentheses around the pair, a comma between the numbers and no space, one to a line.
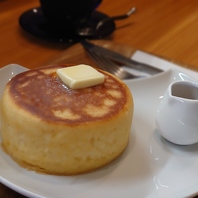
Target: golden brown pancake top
(42,93)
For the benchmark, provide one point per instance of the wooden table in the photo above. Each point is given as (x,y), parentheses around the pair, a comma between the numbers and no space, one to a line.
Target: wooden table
(165,28)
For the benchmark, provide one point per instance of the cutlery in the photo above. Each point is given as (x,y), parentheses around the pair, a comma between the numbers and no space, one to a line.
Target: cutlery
(90,31)
(111,67)
(121,59)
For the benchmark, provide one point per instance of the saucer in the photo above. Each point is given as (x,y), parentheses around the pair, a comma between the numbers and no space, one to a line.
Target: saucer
(34,23)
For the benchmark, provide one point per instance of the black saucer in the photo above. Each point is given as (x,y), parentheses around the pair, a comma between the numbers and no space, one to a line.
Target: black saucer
(34,23)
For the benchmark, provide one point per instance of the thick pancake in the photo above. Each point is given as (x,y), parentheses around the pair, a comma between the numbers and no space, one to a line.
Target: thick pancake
(51,128)
(43,94)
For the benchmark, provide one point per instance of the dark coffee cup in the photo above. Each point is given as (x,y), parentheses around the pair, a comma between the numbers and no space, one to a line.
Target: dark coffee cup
(67,15)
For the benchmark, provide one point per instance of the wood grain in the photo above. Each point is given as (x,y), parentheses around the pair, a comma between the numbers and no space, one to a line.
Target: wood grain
(164,28)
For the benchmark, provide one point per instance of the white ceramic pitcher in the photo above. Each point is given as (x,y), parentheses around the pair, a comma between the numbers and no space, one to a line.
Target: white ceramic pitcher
(177,115)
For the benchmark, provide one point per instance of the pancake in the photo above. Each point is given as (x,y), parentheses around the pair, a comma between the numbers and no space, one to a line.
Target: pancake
(50,128)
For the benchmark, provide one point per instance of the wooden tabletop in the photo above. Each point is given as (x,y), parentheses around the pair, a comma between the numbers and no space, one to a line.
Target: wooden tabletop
(165,28)
(168,29)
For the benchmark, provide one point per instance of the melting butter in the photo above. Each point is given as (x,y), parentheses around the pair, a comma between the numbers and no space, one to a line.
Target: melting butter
(80,76)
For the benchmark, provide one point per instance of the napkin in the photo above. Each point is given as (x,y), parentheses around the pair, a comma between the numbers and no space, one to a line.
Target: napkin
(161,63)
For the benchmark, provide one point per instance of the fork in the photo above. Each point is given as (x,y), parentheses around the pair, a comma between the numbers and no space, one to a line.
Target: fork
(109,66)
(120,59)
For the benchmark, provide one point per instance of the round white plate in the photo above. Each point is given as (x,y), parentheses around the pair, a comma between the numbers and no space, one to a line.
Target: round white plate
(149,167)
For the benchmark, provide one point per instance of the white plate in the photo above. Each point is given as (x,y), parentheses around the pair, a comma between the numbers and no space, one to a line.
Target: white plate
(150,166)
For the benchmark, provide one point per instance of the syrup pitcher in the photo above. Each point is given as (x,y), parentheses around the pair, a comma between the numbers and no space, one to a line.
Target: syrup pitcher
(177,115)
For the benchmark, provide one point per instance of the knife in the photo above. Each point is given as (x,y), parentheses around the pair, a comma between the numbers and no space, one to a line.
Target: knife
(119,58)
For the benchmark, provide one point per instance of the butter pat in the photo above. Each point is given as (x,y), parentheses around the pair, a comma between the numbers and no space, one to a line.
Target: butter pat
(80,76)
